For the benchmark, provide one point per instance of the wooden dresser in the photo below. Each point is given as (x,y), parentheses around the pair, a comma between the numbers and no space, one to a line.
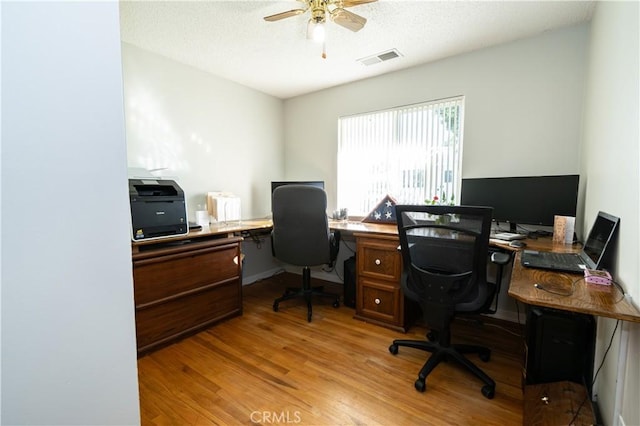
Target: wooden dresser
(379,298)
(183,285)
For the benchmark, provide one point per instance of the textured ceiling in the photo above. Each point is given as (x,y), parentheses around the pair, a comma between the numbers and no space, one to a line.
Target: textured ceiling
(231,39)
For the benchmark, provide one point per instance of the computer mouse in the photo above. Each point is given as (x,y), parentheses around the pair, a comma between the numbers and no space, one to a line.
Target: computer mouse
(517,244)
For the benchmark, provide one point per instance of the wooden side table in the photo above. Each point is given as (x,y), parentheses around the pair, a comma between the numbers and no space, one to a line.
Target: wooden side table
(557,403)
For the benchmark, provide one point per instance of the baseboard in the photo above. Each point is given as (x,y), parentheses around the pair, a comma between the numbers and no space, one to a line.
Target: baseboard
(327,276)
(506,316)
(330,276)
(621,420)
(261,276)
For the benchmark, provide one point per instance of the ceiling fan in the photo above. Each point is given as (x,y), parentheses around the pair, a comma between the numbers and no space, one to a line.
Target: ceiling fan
(320,9)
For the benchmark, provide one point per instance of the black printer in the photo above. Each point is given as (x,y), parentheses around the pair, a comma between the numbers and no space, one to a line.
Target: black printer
(158,209)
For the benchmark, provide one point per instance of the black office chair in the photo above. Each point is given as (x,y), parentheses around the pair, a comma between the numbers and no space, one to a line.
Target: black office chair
(444,251)
(301,237)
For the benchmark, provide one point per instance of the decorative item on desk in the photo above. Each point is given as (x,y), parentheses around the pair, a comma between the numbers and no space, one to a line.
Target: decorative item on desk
(594,276)
(442,201)
(384,212)
(563,227)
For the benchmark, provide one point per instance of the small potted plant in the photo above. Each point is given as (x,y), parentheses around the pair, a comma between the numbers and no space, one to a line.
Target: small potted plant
(442,201)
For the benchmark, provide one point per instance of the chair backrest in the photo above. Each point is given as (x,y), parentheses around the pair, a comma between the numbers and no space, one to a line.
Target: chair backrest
(301,233)
(444,251)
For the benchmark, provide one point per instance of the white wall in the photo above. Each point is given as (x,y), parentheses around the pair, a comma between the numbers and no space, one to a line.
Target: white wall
(523,104)
(610,166)
(523,112)
(211,134)
(68,332)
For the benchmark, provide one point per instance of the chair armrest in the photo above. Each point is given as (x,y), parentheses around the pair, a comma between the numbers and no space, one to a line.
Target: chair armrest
(334,246)
(500,258)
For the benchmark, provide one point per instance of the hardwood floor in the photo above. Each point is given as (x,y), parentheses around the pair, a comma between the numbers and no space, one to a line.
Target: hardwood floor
(269,367)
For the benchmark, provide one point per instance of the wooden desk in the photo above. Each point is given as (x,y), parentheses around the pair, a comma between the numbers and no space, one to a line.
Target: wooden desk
(351,227)
(215,230)
(592,299)
(578,296)
(582,297)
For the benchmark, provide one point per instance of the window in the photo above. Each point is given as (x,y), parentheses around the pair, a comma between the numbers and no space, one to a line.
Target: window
(413,153)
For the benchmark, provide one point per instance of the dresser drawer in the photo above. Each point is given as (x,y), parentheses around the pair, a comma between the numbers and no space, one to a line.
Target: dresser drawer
(379,297)
(176,318)
(166,276)
(379,259)
(379,301)
(182,286)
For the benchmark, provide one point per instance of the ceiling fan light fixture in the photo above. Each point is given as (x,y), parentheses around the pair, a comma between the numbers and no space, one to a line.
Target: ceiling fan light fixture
(316,31)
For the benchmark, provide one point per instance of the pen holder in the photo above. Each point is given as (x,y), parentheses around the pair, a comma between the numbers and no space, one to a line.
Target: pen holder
(341,214)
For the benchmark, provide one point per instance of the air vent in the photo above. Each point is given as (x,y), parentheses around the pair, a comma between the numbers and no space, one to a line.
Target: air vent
(380,57)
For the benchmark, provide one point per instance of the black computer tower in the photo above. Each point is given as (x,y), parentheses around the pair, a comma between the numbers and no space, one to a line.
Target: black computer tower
(559,346)
(350,282)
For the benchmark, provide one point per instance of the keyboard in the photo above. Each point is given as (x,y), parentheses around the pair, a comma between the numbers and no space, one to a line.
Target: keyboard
(569,262)
(561,259)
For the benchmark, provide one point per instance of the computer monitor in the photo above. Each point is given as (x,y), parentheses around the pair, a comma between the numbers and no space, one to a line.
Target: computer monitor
(276,184)
(526,200)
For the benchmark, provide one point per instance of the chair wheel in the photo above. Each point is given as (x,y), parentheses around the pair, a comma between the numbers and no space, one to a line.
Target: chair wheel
(419,385)
(275,306)
(489,391)
(336,304)
(393,349)
(432,336)
(485,356)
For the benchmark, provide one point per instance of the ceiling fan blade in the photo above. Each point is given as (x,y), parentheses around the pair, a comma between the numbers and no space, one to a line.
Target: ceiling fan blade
(348,19)
(351,3)
(282,15)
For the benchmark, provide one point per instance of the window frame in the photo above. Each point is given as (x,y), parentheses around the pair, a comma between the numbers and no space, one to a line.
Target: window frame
(391,142)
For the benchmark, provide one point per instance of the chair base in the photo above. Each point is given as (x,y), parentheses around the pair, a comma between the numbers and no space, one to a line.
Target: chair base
(307,292)
(443,353)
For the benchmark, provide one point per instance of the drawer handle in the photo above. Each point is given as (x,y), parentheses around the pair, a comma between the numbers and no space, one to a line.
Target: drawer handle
(377,301)
(378,262)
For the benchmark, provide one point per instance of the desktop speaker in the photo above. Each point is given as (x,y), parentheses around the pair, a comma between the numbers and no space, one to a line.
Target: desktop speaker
(350,282)
(560,346)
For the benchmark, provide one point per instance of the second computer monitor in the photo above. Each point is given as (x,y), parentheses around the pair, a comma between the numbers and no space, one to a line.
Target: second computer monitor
(527,200)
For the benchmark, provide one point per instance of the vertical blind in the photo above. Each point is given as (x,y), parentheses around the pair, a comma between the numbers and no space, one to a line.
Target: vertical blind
(412,153)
